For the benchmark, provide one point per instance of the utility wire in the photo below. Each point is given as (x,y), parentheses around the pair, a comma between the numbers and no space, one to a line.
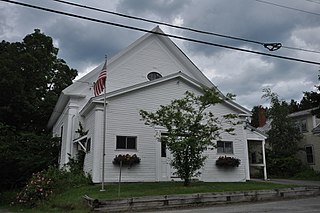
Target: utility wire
(158,22)
(269,46)
(159,33)
(286,7)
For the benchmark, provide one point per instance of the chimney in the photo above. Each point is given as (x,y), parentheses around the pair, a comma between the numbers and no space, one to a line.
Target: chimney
(262,116)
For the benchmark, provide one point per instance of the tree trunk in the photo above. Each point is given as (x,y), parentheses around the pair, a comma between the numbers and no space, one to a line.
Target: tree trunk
(186,182)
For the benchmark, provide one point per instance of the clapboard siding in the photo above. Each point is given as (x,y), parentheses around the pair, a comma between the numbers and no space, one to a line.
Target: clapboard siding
(212,173)
(151,53)
(62,122)
(89,126)
(134,66)
(123,118)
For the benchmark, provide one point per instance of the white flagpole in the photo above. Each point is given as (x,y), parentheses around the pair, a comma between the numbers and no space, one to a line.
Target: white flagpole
(104,128)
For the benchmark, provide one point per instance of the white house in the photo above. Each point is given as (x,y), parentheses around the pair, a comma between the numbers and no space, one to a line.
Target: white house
(309,125)
(150,72)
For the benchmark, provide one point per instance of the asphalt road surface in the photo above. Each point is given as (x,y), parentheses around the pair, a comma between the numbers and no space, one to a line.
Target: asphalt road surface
(305,205)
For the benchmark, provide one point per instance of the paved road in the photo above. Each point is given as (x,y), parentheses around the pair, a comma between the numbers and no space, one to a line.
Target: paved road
(297,182)
(305,205)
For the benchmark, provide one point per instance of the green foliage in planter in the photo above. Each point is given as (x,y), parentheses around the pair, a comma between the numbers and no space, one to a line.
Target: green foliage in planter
(127,159)
(224,161)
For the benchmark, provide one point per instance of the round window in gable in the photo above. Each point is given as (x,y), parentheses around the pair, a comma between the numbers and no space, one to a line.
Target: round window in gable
(154,75)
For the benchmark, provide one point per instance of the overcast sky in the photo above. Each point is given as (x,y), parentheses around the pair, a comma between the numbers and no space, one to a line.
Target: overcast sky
(83,44)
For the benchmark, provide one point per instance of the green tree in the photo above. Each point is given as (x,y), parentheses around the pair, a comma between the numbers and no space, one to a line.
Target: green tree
(191,129)
(311,100)
(32,78)
(283,138)
(24,153)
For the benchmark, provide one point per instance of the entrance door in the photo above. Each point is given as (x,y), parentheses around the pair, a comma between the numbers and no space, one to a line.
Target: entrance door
(165,163)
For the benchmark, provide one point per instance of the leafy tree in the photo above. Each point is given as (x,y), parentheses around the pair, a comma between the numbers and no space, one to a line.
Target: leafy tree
(283,138)
(24,153)
(311,100)
(294,106)
(191,129)
(32,78)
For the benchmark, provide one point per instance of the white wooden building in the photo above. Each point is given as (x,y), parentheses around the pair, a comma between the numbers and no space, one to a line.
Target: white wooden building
(151,72)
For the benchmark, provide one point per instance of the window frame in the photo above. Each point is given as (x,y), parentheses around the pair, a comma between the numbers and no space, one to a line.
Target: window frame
(308,154)
(126,142)
(153,76)
(224,147)
(88,145)
(302,125)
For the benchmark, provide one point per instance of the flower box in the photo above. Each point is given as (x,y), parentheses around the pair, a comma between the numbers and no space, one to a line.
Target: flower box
(127,159)
(224,161)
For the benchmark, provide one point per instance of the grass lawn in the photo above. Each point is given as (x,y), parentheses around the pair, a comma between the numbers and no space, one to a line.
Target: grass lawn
(71,200)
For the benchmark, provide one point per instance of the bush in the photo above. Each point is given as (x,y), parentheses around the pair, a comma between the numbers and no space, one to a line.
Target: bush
(127,159)
(76,164)
(39,187)
(308,174)
(283,166)
(53,181)
(224,161)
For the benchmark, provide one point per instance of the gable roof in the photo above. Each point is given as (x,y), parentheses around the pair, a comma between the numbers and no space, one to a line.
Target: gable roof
(167,42)
(302,113)
(201,79)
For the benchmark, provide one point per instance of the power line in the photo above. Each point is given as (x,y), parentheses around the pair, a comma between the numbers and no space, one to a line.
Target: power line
(162,34)
(269,46)
(286,7)
(158,22)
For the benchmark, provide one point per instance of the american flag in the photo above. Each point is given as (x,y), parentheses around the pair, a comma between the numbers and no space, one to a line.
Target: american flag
(100,84)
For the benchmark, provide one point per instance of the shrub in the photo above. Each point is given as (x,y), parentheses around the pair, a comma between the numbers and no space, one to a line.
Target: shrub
(224,161)
(127,159)
(53,180)
(283,166)
(76,164)
(308,174)
(39,187)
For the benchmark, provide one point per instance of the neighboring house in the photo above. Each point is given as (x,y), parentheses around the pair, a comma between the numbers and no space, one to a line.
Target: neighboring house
(309,126)
(150,72)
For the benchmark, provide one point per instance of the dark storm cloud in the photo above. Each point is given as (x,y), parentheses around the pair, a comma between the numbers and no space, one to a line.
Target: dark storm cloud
(165,9)
(250,20)
(83,44)
(80,47)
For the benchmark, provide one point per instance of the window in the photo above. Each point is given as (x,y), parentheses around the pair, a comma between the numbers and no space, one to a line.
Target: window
(253,157)
(88,145)
(309,153)
(163,149)
(61,133)
(225,147)
(154,75)
(126,142)
(301,125)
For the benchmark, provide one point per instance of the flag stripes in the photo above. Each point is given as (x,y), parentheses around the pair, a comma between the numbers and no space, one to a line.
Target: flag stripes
(100,84)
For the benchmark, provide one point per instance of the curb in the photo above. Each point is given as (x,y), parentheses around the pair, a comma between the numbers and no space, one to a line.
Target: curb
(174,201)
